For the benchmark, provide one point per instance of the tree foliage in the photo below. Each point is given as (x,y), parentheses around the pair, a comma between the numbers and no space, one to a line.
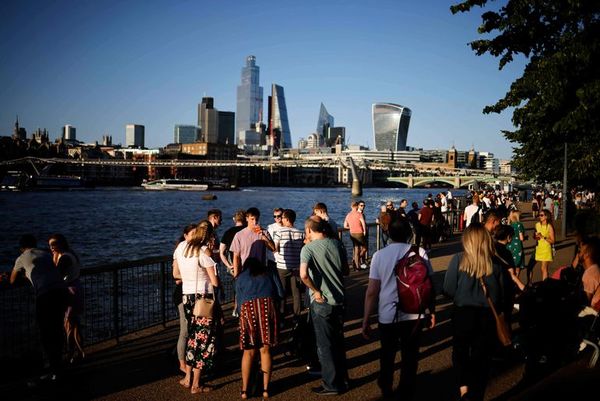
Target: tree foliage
(557,98)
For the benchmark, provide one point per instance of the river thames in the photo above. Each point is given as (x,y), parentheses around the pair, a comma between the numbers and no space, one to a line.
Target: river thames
(106,225)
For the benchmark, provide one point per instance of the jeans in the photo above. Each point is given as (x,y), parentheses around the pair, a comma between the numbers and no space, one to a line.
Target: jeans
(50,310)
(328,322)
(183,330)
(408,333)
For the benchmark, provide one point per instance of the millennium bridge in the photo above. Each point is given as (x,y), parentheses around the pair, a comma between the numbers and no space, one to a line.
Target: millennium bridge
(280,171)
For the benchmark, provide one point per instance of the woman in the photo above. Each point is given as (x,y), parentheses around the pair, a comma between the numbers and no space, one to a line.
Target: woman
(197,271)
(356,224)
(256,291)
(69,267)
(188,232)
(544,234)
(515,246)
(473,323)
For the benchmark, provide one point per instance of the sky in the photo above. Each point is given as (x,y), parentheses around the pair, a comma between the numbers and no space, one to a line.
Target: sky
(99,65)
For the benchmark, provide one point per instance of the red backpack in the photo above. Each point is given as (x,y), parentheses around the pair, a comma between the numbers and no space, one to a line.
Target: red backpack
(415,288)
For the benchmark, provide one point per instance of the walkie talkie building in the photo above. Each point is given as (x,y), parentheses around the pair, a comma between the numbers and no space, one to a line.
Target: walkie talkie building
(390,126)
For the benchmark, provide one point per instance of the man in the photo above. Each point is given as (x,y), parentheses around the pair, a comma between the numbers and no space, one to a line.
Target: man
(239,220)
(288,245)
(384,219)
(214,217)
(589,256)
(425,222)
(394,325)
(320,210)
(252,241)
(323,264)
(472,213)
(272,229)
(50,299)
(491,221)
(402,208)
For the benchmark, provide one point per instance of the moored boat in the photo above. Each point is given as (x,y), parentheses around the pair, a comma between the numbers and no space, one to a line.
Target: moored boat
(179,184)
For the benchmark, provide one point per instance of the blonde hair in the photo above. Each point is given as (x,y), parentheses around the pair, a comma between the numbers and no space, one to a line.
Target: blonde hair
(514,216)
(478,248)
(202,236)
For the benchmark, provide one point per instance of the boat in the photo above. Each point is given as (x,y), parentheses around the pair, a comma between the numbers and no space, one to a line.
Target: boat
(178,184)
(21,181)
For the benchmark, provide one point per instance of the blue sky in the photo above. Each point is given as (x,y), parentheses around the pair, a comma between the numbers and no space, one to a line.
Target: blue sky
(99,65)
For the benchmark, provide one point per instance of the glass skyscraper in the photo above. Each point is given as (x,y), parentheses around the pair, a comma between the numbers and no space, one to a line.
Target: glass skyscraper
(185,133)
(249,100)
(325,119)
(390,126)
(279,116)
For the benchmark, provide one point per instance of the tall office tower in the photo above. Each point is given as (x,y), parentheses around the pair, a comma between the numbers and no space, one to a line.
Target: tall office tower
(208,121)
(185,134)
(249,102)
(390,126)
(335,136)
(226,128)
(134,136)
(279,127)
(324,122)
(69,133)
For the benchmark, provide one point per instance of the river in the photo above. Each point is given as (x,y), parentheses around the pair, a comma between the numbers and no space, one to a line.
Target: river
(106,225)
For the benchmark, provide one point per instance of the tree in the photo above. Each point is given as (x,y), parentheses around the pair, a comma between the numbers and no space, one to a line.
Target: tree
(557,98)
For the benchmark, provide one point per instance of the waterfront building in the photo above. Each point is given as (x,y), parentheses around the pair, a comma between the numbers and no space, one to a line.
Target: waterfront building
(390,126)
(279,128)
(185,133)
(249,104)
(314,140)
(134,136)
(209,151)
(69,133)
(486,161)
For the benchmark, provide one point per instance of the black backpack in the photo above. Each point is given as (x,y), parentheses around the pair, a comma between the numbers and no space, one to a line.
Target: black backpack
(475,217)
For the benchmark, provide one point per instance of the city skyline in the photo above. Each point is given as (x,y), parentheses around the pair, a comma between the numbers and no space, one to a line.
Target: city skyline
(101,69)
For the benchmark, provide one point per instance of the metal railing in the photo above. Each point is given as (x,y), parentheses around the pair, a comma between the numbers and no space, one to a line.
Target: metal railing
(126,297)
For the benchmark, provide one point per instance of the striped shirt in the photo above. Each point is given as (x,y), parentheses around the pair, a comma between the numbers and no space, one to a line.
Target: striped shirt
(290,241)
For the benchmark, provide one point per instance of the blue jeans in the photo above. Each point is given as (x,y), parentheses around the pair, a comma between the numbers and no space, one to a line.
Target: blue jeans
(328,322)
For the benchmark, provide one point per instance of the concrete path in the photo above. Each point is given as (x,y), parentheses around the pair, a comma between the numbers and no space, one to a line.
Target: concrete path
(144,367)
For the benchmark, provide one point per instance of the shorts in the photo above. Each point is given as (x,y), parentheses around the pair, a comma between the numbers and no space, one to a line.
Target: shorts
(358,239)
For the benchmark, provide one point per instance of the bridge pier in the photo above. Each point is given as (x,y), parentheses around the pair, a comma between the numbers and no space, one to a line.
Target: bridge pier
(456,182)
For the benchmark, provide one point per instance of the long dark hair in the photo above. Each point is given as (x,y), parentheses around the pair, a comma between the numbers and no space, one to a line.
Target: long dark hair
(255,267)
(62,244)
(186,230)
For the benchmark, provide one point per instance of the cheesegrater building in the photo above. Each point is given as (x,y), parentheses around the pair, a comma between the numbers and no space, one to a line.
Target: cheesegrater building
(390,126)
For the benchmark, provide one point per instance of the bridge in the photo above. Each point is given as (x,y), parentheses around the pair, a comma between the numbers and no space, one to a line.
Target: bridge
(408,174)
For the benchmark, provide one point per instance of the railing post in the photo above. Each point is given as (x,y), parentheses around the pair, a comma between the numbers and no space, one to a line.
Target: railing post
(115,286)
(163,290)
(378,240)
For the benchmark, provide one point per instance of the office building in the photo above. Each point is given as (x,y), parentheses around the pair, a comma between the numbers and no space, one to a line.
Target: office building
(226,134)
(279,127)
(69,133)
(249,110)
(335,136)
(208,121)
(185,133)
(390,126)
(134,136)
(324,122)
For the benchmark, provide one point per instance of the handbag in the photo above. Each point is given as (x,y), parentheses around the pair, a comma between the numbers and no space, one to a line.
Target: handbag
(203,307)
(502,329)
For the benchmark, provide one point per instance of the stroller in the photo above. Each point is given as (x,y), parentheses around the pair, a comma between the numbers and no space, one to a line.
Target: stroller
(549,332)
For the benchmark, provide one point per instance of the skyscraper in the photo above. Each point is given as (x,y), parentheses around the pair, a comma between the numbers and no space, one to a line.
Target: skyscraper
(325,121)
(208,121)
(249,101)
(134,135)
(390,126)
(69,133)
(278,119)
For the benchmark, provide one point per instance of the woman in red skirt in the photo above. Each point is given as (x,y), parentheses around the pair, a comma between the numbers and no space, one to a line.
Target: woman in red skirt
(257,289)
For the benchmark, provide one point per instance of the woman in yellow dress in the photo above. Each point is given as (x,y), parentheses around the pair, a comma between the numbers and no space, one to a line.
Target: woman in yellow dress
(544,234)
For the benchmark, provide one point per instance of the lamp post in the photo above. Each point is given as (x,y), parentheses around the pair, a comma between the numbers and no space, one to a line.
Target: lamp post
(563,225)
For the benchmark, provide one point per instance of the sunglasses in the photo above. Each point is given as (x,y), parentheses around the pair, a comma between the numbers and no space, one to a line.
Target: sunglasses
(542,215)
(276,216)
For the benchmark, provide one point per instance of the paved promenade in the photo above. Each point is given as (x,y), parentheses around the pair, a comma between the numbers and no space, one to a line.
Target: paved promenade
(144,368)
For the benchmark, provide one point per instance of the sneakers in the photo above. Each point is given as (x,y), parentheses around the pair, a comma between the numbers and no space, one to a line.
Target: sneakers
(323,391)
(235,313)
(363,266)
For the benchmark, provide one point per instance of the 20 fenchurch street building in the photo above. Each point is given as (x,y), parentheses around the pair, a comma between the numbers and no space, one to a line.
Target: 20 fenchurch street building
(390,126)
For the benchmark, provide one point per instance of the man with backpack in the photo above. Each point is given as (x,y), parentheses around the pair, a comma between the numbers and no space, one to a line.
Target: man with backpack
(400,284)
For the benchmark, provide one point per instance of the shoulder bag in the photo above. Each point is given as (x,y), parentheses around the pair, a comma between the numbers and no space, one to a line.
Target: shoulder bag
(203,306)
(502,329)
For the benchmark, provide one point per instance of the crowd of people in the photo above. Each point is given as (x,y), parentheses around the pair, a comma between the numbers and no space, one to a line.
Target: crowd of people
(272,262)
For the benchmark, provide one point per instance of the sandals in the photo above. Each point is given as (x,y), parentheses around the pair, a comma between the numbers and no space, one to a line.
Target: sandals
(201,389)
(185,383)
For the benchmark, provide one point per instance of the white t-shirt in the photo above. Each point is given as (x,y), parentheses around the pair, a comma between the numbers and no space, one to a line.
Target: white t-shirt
(469,212)
(193,270)
(382,269)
